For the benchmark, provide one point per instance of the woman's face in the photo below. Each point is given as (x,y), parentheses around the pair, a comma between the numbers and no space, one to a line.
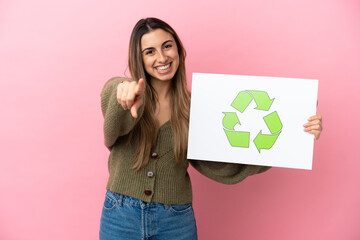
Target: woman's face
(159,54)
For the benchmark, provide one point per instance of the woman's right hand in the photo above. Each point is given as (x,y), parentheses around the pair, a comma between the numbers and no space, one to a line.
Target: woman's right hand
(130,95)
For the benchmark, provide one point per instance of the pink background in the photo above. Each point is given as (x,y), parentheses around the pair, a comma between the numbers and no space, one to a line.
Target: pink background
(56,55)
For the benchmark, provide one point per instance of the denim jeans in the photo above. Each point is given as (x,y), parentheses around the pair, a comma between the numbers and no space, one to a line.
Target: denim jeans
(129,218)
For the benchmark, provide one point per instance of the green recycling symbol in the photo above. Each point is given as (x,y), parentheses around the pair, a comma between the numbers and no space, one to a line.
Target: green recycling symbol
(272,120)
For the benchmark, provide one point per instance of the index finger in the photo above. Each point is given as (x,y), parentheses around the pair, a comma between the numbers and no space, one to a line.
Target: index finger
(140,86)
(315,117)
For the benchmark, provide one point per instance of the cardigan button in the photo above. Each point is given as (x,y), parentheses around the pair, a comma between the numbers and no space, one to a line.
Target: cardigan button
(154,155)
(148,192)
(150,174)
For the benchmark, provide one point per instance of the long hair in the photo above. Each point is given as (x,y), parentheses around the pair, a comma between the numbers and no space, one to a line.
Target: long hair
(180,96)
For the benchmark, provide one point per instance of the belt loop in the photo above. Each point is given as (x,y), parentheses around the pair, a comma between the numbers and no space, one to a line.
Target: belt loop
(142,204)
(120,200)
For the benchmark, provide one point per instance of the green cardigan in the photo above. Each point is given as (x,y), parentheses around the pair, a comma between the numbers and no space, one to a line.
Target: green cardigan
(162,180)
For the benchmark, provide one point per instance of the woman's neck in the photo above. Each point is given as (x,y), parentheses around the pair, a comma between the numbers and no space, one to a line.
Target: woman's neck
(163,106)
(163,89)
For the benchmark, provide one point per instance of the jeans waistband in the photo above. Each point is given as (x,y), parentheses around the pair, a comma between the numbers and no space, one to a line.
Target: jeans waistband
(120,199)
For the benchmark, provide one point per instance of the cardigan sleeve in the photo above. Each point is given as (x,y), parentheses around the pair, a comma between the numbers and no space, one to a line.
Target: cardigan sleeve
(226,173)
(117,121)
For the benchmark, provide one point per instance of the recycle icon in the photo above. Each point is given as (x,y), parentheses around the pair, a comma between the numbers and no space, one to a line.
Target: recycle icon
(272,121)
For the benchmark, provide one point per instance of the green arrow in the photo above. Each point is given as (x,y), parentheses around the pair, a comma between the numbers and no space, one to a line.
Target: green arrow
(263,141)
(230,120)
(238,139)
(262,100)
(273,122)
(241,101)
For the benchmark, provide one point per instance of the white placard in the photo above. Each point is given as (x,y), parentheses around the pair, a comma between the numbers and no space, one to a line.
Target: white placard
(252,120)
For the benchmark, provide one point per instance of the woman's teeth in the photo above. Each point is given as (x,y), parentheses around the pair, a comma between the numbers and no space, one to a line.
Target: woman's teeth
(163,67)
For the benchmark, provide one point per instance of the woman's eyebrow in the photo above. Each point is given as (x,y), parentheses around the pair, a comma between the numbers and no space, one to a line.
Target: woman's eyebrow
(166,42)
(151,48)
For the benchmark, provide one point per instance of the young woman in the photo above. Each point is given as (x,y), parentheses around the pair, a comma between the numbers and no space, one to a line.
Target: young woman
(146,122)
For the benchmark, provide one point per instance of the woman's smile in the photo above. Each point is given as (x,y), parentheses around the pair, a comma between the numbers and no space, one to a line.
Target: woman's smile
(163,69)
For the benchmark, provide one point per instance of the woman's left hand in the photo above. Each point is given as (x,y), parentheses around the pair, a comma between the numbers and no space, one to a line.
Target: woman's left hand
(314,126)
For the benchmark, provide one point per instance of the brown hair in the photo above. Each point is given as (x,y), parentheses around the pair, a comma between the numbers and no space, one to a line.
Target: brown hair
(180,96)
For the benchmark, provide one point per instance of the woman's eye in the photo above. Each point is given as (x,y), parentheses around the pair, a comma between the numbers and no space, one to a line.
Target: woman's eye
(150,52)
(168,46)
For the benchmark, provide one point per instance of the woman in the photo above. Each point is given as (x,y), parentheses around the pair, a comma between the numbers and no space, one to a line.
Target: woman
(145,127)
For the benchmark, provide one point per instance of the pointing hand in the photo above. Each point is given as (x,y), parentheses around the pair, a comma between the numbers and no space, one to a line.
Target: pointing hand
(130,95)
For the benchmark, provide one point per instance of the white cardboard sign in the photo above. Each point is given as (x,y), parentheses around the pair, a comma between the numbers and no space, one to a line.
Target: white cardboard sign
(252,120)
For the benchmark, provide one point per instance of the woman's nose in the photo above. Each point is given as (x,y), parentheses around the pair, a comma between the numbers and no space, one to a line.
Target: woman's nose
(162,57)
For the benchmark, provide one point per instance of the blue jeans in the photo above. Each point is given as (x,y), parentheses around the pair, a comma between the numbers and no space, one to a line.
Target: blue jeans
(128,218)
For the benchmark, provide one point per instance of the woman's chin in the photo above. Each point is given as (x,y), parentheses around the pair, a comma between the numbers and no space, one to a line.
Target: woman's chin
(163,77)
